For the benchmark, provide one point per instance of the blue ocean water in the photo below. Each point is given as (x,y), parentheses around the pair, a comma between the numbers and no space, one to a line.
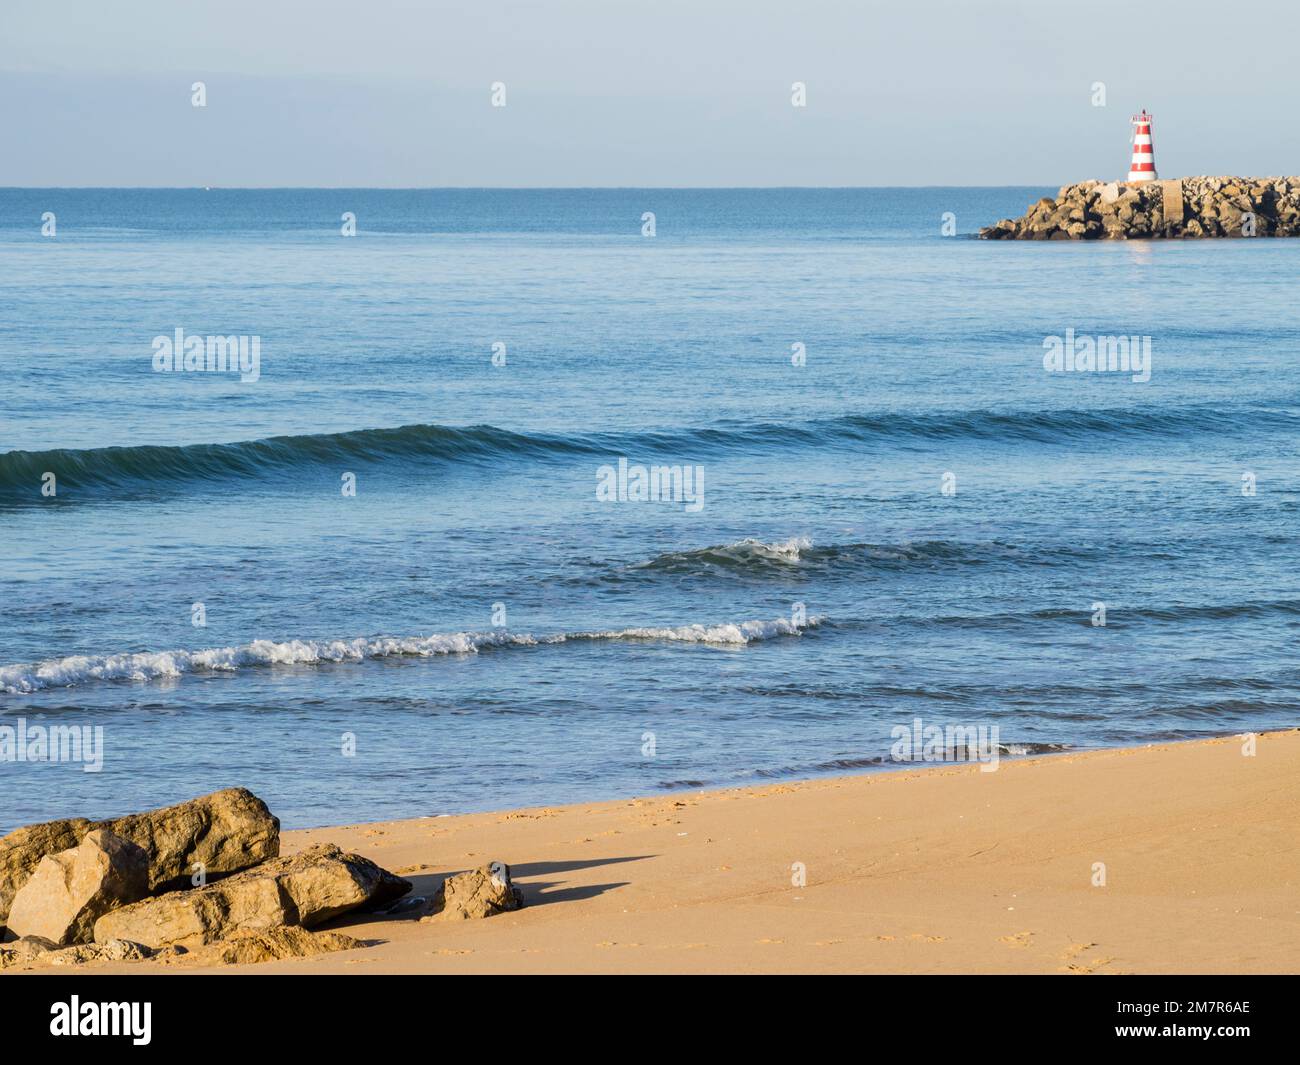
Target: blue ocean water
(918,521)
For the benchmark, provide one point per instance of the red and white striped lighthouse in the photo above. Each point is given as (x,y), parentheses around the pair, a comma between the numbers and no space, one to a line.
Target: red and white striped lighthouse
(1143,166)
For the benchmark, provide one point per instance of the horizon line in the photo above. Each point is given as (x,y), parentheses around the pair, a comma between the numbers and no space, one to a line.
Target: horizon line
(496,188)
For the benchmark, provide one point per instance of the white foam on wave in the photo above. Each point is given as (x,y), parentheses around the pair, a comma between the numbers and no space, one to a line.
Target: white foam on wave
(739,552)
(23,679)
(785,550)
(742,633)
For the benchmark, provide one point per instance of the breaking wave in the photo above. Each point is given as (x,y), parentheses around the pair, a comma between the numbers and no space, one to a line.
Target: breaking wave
(743,554)
(153,665)
(758,558)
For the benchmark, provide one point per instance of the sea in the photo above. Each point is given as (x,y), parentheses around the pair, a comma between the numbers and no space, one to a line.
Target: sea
(530,496)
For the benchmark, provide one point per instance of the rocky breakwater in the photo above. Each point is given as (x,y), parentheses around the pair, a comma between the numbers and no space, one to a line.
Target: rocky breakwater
(1186,207)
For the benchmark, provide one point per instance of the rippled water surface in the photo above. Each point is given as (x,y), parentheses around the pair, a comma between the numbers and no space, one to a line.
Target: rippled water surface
(491,633)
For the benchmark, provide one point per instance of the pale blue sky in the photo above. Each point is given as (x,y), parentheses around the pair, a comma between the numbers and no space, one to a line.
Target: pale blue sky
(669,92)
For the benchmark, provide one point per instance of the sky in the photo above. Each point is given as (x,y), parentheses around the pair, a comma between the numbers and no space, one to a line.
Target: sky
(396,93)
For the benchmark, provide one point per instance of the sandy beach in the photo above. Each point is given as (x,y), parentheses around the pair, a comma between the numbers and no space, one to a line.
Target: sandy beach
(938,870)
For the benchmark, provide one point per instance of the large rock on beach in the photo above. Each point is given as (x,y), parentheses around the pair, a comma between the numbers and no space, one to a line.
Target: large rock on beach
(69,891)
(215,834)
(479,893)
(306,889)
(22,850)
(220,833)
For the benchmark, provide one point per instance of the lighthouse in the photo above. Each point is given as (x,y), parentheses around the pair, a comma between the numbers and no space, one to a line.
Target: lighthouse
(1143,166)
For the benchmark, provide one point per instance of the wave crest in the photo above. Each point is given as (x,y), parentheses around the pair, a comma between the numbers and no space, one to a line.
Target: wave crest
(743,554)
(147,464)
(758,558)
(74,670)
